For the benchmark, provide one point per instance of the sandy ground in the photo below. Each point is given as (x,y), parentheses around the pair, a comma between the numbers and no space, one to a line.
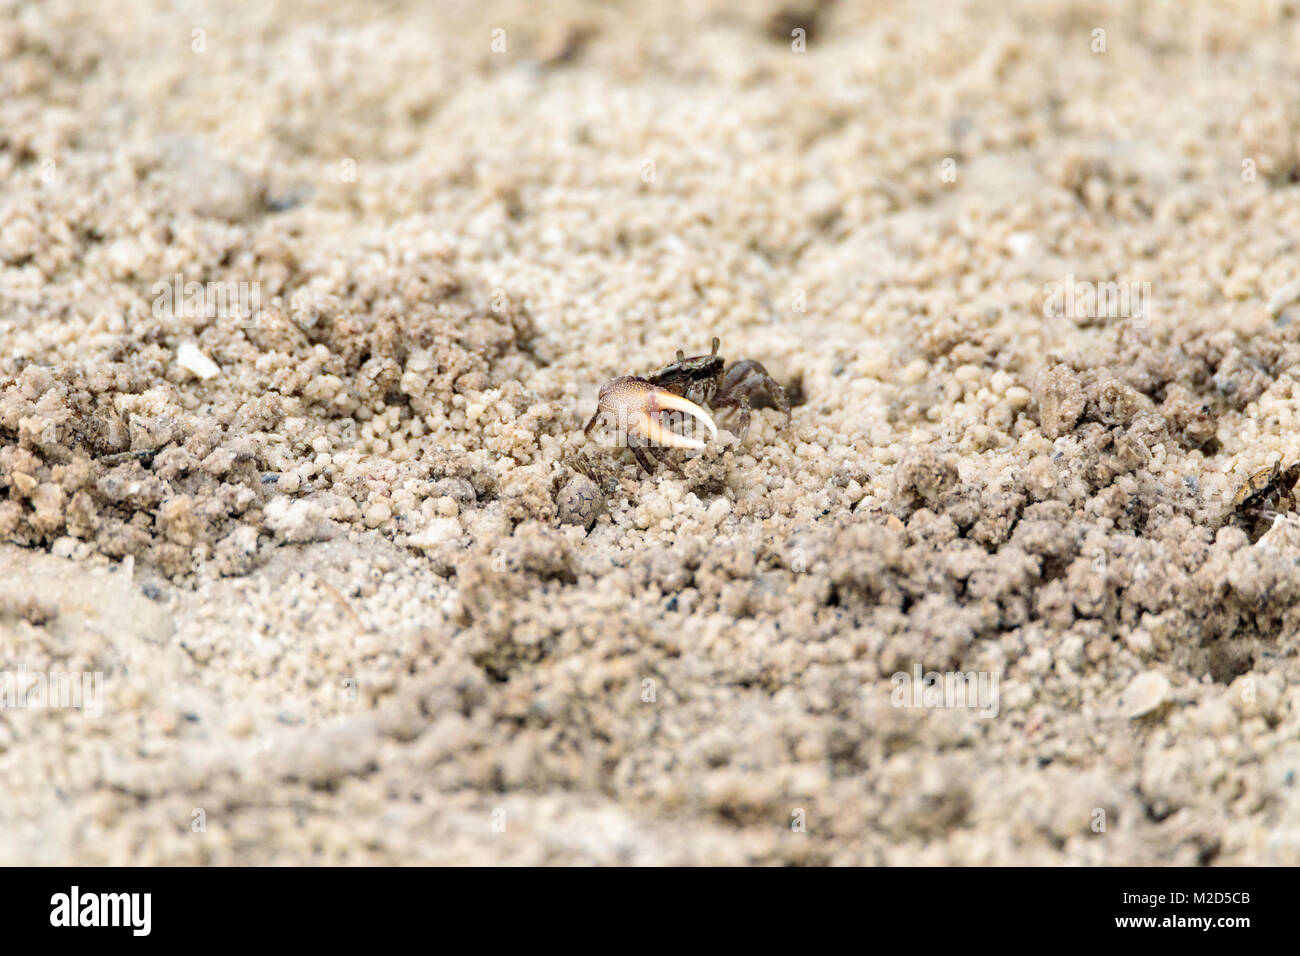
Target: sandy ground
(358,590)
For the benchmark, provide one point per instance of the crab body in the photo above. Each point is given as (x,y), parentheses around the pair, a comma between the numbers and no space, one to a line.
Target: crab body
(1263,496)
(696,378)
(640,404)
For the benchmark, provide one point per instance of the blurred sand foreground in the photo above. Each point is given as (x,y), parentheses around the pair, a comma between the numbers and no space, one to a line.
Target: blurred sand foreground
(303,307)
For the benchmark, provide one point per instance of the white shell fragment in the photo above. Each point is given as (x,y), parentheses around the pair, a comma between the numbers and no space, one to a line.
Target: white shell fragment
(1144,694)
(1020,243)
(189,357)
(1283,297)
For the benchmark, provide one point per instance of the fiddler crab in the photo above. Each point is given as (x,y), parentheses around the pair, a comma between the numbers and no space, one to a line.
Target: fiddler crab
(1265,495)
(639,406)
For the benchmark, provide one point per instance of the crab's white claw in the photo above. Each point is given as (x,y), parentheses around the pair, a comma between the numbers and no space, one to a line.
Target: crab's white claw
(637,406)
(660,399)
(650,427)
